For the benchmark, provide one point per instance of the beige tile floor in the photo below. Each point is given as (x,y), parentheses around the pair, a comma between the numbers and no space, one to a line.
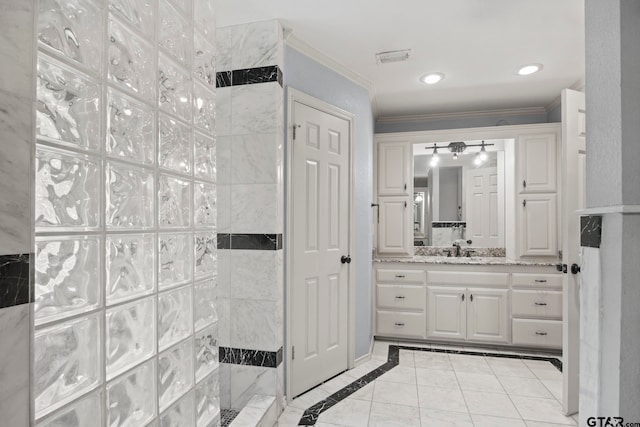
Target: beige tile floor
(439,389)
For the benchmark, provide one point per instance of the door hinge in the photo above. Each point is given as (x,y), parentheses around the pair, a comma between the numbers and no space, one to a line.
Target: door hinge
(294,130)
(293,352)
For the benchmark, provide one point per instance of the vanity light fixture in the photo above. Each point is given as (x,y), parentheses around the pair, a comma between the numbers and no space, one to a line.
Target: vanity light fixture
(529,69)
(418,198)
(435,158)
(483,153)
(431,78)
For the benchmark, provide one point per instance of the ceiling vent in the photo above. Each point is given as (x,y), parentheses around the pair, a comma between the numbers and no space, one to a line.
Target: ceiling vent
(392,56)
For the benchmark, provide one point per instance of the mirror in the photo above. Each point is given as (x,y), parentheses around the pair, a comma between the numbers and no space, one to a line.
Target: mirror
(459,198)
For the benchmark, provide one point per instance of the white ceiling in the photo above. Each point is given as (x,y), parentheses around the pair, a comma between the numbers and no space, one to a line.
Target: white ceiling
(477,44)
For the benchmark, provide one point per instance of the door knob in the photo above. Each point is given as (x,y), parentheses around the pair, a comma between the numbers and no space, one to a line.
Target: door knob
(575,268)
(345,259)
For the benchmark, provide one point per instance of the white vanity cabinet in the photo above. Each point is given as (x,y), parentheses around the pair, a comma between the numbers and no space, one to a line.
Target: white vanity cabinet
(519,305)
(400,302)
(475,308)
(536,177)
(395,199)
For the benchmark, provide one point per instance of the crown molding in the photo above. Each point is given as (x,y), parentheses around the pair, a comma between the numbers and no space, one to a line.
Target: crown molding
(294,42)
(463,115)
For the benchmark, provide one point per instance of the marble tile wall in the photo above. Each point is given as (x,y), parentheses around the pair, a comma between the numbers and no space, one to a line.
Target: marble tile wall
(249,126)
(16,194)
(126,329)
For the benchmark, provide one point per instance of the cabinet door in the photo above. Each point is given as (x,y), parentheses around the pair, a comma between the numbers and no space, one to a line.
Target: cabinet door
(394,230)
(537,163)
(538,225)
(488,315)
(446,313)
(394,169)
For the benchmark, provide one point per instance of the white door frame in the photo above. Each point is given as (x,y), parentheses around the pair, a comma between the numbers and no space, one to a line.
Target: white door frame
(295,95)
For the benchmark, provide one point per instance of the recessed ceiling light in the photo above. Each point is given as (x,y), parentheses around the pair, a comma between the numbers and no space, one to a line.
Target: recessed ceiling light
(431,78)
(529,69)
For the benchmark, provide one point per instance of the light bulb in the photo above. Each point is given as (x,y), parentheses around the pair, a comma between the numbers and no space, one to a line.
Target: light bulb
(483,155)
(455,156)
(434,160)
(478,160)
(418,198)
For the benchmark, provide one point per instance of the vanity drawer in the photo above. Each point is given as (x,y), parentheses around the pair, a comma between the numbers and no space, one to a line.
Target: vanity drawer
(459,278)
(401,297)
(539,333)
(541,280)
(541,303)
(400,276)
(394,324)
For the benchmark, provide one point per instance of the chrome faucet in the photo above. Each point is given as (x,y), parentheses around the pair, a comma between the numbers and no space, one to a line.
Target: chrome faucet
(456,244)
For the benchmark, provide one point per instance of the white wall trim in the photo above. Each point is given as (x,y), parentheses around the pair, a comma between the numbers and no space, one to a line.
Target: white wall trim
(294,42)
(621,209)
(295,95)
(462,115)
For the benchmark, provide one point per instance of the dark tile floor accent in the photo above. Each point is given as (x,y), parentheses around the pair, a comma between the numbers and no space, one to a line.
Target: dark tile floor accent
(227,415)
(310,416)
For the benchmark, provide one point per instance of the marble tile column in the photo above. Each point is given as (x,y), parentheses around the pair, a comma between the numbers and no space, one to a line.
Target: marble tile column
(16,229)
(249,125)
(612,345)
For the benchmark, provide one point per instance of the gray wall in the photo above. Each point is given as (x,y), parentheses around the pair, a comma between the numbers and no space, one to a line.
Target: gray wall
(305,74)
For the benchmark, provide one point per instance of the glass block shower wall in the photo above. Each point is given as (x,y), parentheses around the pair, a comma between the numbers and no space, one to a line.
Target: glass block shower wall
(125,270)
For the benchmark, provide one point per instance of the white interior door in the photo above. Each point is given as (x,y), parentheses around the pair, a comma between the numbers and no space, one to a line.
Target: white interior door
(320,189)
(573,196)
(484,225)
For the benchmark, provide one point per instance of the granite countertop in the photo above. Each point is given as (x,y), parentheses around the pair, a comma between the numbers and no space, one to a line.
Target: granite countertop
(466,261)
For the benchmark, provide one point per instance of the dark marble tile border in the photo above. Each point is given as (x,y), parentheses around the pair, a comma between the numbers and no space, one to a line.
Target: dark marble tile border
(15,280)
(262,242)
(590,231)
(448,224)
(249,76)
(241,356)
(310,416)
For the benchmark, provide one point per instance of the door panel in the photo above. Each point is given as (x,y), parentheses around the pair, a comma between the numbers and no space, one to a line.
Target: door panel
(446,312)
(394,173)
(483,221)
(538,231)
(537,166)
(395,230)
(573,199)
(320,237)
(488,315)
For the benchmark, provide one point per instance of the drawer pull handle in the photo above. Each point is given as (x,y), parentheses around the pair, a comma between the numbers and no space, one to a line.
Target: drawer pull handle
(399,324)
(400,276)
(541,280)
(540,303)
(541,333)
(399,296)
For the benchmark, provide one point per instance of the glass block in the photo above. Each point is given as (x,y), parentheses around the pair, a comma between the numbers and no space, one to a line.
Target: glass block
(130,267)
(175,374)
(67,191)
(174,33)
(174,199)
(67,277)
(130,335)
(206,351)
(138,13)
(72,29)
(205,304)
(130,129)
(205,254)
(174,316)
(130,196)
(184,6)
(131,61)
(204,18)
(204,204)
(79,414)
(131,399)
(204,114)
(66,362)
(175,145)
(207,400)
(68,106)
(175,259)
(204,60)
(205,157)
(174,88)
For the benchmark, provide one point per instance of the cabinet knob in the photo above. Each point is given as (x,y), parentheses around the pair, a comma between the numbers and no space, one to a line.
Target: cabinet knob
(400,276)
(471,297)
(541,333)
(524,183)
(405,186)
(399,324)
(399,296)
(540,303)
(524,203)
(462,297)
(541,280)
